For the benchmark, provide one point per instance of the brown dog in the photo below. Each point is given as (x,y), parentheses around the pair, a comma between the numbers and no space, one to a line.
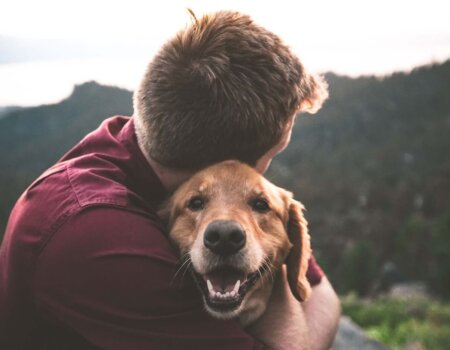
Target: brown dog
(234,230)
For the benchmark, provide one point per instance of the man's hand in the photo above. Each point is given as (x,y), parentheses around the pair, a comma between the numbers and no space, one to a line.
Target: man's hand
(289,325)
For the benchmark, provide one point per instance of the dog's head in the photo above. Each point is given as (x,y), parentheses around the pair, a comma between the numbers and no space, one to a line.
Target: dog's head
(236,229)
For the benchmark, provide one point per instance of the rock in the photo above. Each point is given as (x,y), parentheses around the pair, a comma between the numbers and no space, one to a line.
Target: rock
(409,290)
(351,337)
(414,346)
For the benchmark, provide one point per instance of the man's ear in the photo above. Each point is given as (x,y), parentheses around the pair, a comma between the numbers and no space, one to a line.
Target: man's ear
(298,258)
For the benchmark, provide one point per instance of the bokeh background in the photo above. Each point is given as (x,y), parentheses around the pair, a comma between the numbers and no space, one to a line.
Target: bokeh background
(372,167)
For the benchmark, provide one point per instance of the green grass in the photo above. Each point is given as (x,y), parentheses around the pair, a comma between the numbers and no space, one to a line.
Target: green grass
(398,323)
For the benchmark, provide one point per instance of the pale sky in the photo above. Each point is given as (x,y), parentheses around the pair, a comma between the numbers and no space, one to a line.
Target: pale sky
(345,36)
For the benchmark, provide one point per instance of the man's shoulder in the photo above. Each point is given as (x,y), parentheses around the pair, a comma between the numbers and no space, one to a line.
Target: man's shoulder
(112,231)
(99,171)
(95,181)
(67,187)
(107,168)
(50,201)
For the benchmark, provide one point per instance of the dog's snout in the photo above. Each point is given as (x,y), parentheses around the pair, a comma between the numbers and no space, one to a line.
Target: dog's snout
(224,237)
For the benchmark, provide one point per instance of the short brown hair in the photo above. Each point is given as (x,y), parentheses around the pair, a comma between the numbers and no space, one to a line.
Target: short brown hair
(222,88)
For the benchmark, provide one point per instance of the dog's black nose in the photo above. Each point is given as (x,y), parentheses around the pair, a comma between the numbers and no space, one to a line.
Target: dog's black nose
(224,237)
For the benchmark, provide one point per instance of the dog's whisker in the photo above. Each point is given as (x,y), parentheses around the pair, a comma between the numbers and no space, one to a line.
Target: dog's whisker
(268,267)
(183,260)
(260,274)
(186,270)
(183,274)
(185,265)
(272,270)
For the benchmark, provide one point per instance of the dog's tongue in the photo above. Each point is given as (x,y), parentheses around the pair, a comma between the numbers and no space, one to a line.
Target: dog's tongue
(224,280)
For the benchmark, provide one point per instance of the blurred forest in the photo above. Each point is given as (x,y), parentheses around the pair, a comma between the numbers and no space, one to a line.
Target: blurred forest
(372,168)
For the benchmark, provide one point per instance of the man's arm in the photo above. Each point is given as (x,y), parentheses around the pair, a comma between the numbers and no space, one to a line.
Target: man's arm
(287,324)
(322,312)
(109,277)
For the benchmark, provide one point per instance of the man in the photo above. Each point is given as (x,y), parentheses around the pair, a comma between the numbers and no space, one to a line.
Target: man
(86,263)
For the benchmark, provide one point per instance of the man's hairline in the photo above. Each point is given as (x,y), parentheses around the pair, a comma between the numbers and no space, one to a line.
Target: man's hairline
(142,135)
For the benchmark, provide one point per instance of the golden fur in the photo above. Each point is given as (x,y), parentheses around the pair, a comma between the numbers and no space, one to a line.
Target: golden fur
(228,191)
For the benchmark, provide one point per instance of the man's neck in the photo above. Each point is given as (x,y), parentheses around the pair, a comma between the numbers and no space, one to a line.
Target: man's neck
(170,178)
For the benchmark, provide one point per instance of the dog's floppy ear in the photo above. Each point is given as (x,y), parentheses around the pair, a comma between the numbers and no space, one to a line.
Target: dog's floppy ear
(298,258)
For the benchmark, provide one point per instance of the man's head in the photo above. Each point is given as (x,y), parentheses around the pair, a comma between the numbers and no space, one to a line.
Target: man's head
(222,88)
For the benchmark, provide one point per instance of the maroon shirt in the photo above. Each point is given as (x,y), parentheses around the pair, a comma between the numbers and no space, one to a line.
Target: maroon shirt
(85,261)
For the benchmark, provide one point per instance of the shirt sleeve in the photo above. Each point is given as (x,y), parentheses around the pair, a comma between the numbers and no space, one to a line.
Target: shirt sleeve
(314,273)
(110,276)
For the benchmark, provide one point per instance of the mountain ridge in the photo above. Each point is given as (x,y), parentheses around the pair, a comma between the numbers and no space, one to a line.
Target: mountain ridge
(372,167)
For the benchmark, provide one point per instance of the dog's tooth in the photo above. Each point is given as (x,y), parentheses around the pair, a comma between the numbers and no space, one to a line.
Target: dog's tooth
(227,294)
(232,294)
(236,286)
(210,287)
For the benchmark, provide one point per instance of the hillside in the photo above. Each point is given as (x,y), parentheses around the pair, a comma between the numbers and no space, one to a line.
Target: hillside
(31,139)
(372,168)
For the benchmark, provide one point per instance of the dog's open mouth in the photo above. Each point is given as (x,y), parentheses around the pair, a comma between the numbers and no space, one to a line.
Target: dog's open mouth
(224,288)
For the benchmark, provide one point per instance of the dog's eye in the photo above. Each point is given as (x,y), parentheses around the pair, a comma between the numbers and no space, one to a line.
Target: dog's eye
(196,203)
(260,205)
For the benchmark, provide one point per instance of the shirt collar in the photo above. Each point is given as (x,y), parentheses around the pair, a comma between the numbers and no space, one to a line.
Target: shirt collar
(144,181)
